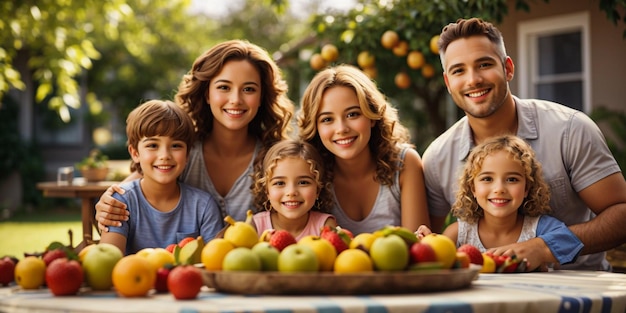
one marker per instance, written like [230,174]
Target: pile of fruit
[176,269]
[102,267]
[391,248]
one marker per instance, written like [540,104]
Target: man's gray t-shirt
[569,145]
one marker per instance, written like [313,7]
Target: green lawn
[32,232]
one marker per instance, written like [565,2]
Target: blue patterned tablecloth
[557,291]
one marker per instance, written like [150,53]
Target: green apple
[98,265]
[268,255]
[241,259]
[297,258]
[389,253]
[325,251]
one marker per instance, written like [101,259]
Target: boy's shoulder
[131,189]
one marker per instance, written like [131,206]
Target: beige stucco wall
[608,48]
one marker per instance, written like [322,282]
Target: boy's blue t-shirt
[196,214]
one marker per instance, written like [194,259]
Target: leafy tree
[418,23]
[57,45]
[149,56]
[36,41]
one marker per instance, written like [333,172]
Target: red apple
[421,252]
[171,247]
[185,282]
[64,277]
[52,255]
[161,279]
[476,257]
[7,271]
[185,241]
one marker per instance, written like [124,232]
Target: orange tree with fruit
[394,42]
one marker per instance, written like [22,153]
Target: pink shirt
[313,226]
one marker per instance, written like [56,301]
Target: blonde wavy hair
[272,122]
[388,134]
[466,207]
[295,149]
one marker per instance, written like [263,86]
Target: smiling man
[588,189]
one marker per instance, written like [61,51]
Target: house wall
[608,48]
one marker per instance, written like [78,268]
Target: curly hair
[292,148]
[272,122]
[158,118]
[466,207]
[388,134]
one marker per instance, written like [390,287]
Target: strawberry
[337,237]
[474,254]
[280,239]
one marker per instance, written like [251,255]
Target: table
[557,291]
[88,192]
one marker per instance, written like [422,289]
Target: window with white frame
[553,62]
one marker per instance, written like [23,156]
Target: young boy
[162,209]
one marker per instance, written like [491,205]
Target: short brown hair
[464,28]
[158,118]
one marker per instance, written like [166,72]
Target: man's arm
[607,199]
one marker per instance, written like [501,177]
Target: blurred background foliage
[111,55]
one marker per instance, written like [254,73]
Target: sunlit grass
[30,237]
[33,232]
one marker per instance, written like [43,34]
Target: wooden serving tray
[328,283]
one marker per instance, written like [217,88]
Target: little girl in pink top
[290,191]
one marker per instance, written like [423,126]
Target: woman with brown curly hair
[238,101]
[376,174]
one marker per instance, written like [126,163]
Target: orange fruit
[133,276]
[401,49]
[428,71]
[489,265]
[353,261]
[371,72]
[214,252]
[30,272]
[434,48]
[365,59]
[415,59]
[389,39]
[402,80]
[317,62]
[329,53]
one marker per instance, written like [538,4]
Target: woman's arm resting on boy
[109,211]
